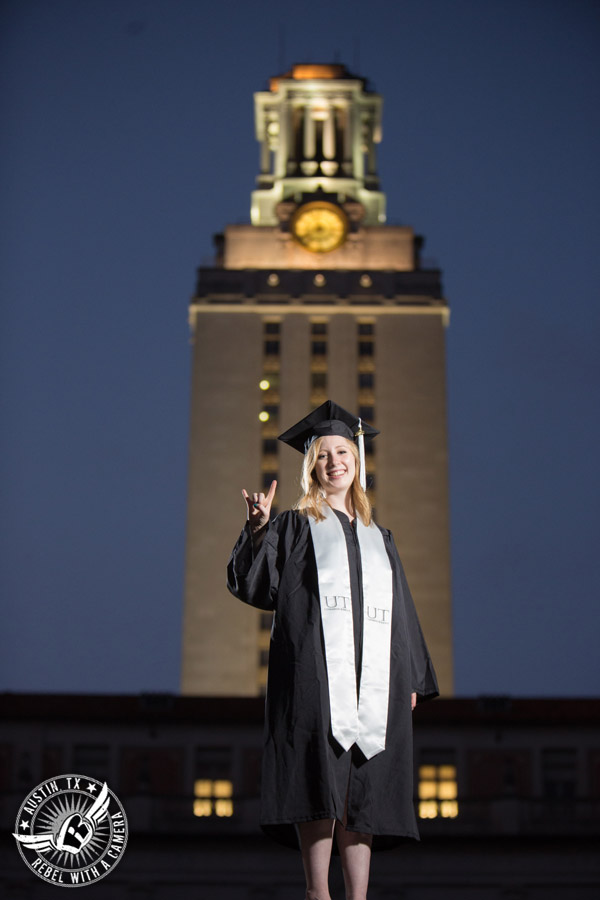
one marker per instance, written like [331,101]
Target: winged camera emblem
[75,832]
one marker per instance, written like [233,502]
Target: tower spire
[318,126]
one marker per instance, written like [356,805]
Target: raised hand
[258,507]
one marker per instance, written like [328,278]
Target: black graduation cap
[329,418]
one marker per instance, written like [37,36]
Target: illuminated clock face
[319,226]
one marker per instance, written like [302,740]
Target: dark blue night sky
[128,141]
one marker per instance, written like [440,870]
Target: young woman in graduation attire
[347,660]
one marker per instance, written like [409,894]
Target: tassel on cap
[362,474]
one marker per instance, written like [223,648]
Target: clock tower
[317,127]
[316,298]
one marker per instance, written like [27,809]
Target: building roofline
[508,711]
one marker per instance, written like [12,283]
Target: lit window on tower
[438,792]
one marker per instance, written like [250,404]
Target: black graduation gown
[306,775]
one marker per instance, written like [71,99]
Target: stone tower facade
[316,298]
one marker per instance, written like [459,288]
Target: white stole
[365,722]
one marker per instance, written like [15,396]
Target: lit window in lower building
[213,797]
[438,792]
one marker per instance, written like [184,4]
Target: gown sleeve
[254,571]
[423,677]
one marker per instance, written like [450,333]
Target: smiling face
[335,466]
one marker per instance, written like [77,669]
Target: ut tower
[316,298]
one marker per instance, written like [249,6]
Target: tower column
[370,146]
[265,156]
[284,144]
[309,133]
[358,159]
[348,138]
[329,134]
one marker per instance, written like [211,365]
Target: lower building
[507,793]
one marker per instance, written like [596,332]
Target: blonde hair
[312,498]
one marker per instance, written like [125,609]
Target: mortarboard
[329,418]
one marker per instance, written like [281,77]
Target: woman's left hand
[413,700]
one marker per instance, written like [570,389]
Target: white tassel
[361,456]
